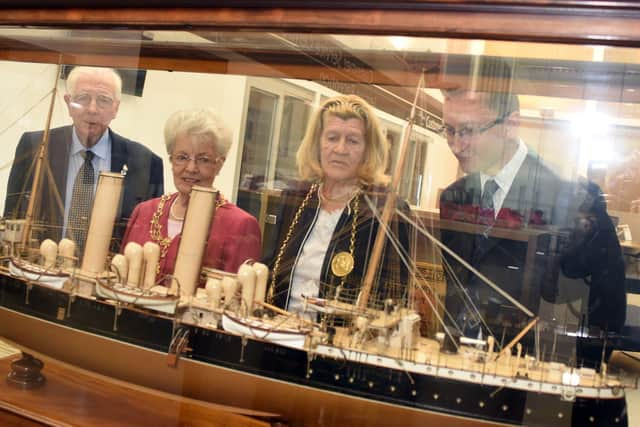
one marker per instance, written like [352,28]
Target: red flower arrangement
[474,214]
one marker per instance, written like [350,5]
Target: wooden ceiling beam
[604,25]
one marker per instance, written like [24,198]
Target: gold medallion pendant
[342,264]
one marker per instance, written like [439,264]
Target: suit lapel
[118,152]
[59,147]
[520,196]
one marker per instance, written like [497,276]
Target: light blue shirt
[101,162]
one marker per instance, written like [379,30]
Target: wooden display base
[73,396]
[300,405]
[10,419]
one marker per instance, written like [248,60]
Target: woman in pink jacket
[197,142]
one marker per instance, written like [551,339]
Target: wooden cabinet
[576,72]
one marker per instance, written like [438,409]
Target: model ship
[376,354]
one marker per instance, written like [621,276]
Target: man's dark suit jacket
[577,249]
[144,178]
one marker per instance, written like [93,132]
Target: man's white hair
[108,74]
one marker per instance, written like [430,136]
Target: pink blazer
[234,236]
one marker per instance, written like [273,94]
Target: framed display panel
[559,246]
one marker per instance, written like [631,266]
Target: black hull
[392,386]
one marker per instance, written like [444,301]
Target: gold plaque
[342,264]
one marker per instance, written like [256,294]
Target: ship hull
[255,374]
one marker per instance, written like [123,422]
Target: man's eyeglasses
[203,162]
[468,131]
[84,99]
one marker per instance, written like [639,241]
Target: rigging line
[440,319]
[434,250]
[10,162]
[403,257]
[470,309]
[21,92]
[469,266]
[468,301]
[395,241]
[537,341]
[413,241]
[470,306]
[2,131]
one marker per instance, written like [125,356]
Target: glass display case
[343,214]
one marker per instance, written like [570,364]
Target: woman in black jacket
[328,223]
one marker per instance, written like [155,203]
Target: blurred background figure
[623,184]
[508,186]
[578,266]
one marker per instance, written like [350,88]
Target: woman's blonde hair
[345,107]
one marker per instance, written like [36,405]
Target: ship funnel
[195,234]
[103,218]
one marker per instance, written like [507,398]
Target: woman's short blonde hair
[201,123]
[345,107]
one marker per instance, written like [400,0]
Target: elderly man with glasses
[76,155]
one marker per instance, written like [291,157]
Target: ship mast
[42,151]
[389,206]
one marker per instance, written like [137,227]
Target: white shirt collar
[508,173]
[100,149]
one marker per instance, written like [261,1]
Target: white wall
[24,107]
[142,118]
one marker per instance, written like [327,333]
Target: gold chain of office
[296,218]
[156,227]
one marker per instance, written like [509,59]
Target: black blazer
[392,279]
[577,249]
[144,179]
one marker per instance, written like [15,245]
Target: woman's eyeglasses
[203,162]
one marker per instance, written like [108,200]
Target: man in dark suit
[529,231]
[548,243]
[93,98]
